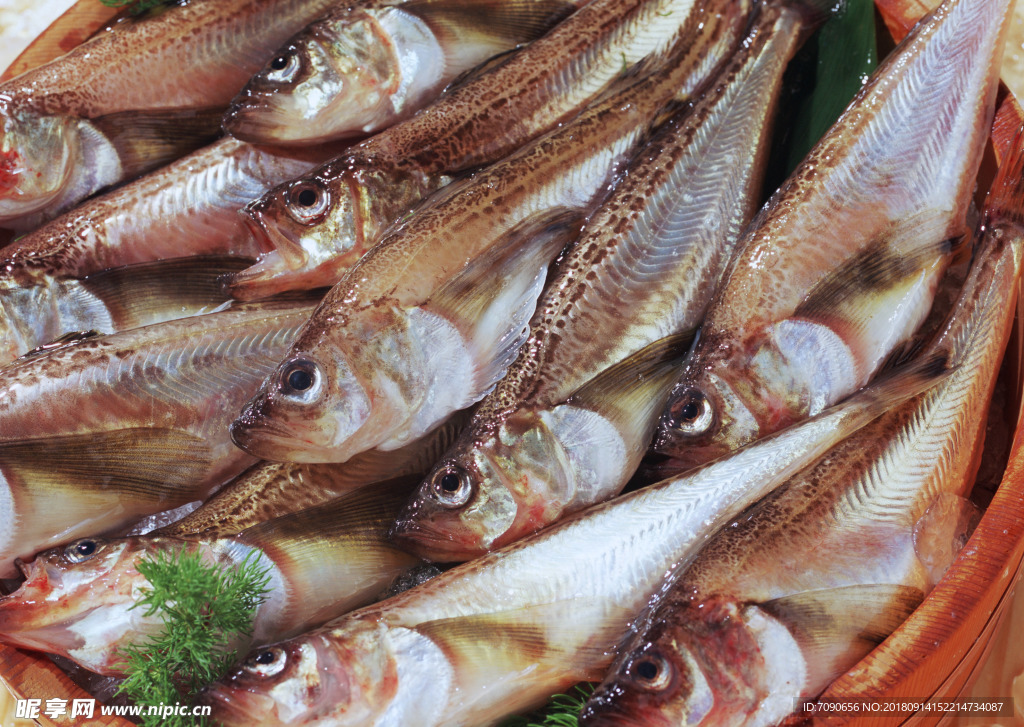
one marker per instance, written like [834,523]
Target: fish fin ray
[148,139]
[517,21]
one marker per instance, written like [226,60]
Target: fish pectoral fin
[492,299]
[513,22]
[888,261]
[836,627]
[145,140]
[162,466]
[572,638]
[636,388]
[134,294]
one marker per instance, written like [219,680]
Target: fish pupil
[646,669]
[689,411]
[300,380]
[86,548]
[307,197]
[265,658]
[279,63]
[450,482]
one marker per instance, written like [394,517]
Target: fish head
[305,411]
[490,491]
[303,226]
[36,161]
[705,418]
[306,678]
[76,601]
[332,81]
[679,671]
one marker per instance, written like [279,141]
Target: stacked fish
[532,276]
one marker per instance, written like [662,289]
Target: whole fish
[130,99]
[107,429]
[375,366]
[841,266]
[318,225]
[813,577]
[77,601]
[557,434]
[190,206]
[500,633]
[365,67]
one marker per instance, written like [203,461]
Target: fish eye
[651,671]
[267,662]
[307,202]
[283,67]
[691,413]
[301,379]
[452,486]
[81,550]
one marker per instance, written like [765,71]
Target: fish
[809,580]
[103,430]
[191,206]
[365,67]
[500,633]
[568,424]
[138,96]
[78,601]
[375,365]
[841,265]
[318,225]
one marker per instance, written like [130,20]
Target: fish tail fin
[1005,203]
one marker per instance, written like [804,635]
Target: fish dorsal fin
[636,387]
[495,295]
[148,139]
[836,627]
[515,21]
[900,252]
[71,29]
[136,295]
[158,466]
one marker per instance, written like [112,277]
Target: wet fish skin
[349,201]
[69,127]
[561,431]
[140,416]
[884,173]
[560,599]
[347,356]
[187,207]
[77,601]
[363,68]
[855,541]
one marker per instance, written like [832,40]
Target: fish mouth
[262,437]
[418,538]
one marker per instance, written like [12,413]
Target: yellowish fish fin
[889,260]
[836,627]
[489,648]
[158,466]
[492,299]
[137,295]
[513,22]
[635,389]
[148,139]
[900,383]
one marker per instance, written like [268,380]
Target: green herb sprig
[562,711]
[138,7]
[205,607]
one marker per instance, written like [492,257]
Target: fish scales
[591,570]
[884,507]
